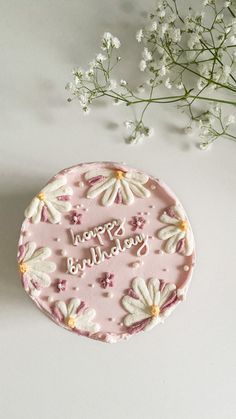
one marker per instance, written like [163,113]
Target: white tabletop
[183,369]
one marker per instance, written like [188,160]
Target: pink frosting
[124,266]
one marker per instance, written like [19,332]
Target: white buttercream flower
[33,267]
[50,202]
[75,316]
[177,234]
[118,186]
[148,304]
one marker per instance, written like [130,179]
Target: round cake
[106,251]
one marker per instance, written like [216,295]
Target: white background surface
[185,369]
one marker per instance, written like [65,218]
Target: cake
[106,251]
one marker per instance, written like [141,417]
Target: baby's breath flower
[194,52]
[112,84]
[230,120]
[108,41]
[188,130]
[101,57]
[115,42]
[163,70]
[147,55]
[232,40]
[179,86]
[142,65]
[168,83]
[154,26]
[204,145]
[193,40]
[139,35]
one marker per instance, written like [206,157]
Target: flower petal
[110,194]
[64,190]
[153,288]
[36,217]
[139,190]
[43,266]
[137,316]
[132,304]
[126,193]
[165,218]
[29,250]
[41,278]
[153,322]
[179,211]
[138,177]
[189,243]
[167,232]
[170,246]
[167,293]
[54,185]
[84,321]
[61,206]
[140,288]
[73,306]
[98,172]
[54,216]
[32,208]
[62,307]
[99,187]
[40,254]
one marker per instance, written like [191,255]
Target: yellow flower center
[183,225]
[154,310]
[23,268]
[119,174]
[41,196]
[70,321]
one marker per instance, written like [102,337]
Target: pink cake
[106,251]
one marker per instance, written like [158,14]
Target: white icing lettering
[97,255]
[97,232]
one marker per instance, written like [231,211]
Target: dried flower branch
[194,55]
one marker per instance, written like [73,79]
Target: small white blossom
[193,40]
[108,41]
[232,40]
[163,28]
[112,84]
[100,58]
[123,83]
[128,124]
[204,146]
[142,65]
[230,120]
[219,18]
[154,26]
[179,86]
[115,42]
[147,55]
[168,83]
[163,70]
[188,131]
[139,35]
[161,13]
[176,35]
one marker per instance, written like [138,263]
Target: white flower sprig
[191,54]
